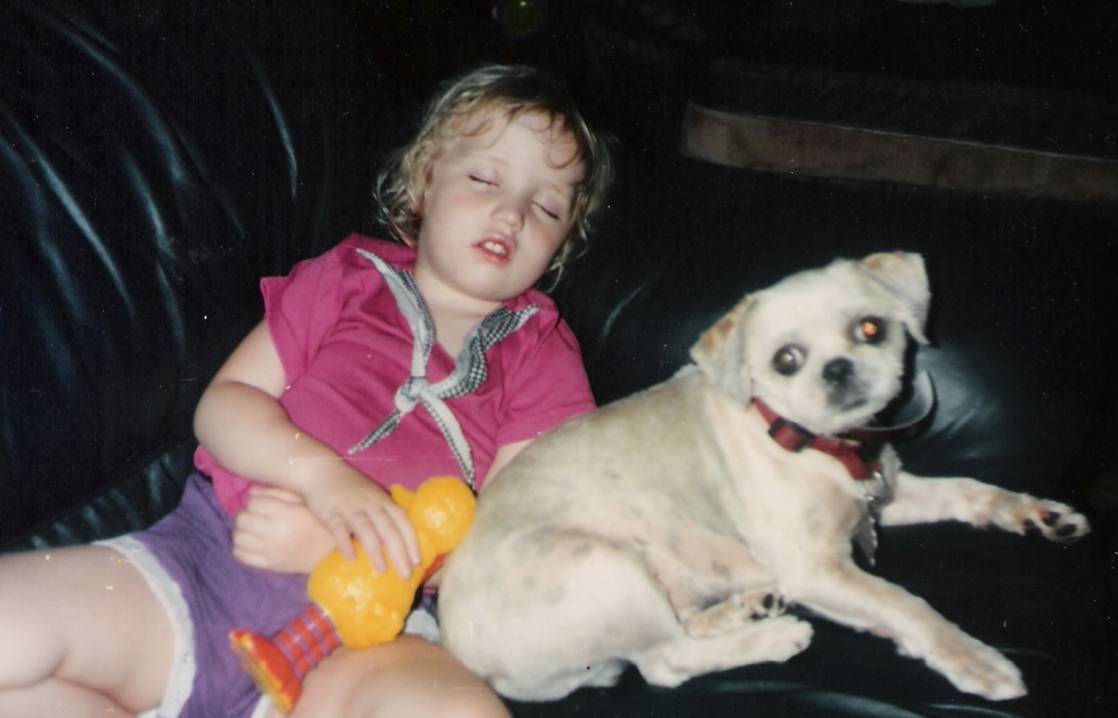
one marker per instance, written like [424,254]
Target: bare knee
[408,677]
[69,616]
[32,648]
[364,704]
[472,703]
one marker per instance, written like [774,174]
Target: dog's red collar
[859,458]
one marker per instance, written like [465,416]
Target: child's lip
[498,249]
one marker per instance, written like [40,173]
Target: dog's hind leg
[567,609]
[733,613]
[844,593]
[770,640]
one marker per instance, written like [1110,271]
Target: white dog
[668,529]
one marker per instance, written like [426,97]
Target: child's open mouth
[495,249]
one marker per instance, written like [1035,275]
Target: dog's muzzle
[844,391]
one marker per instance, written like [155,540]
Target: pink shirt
[346,348]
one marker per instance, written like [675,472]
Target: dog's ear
[903,274]
[720,354]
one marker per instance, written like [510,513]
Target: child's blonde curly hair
[511,91]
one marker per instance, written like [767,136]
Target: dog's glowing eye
[870,330]
[788,360]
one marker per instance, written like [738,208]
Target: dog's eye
[788,360]
[869,330]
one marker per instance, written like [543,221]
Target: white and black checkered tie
[470,369]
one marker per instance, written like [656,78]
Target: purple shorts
[187,559]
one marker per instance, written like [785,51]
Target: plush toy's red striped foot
[278,664]
[269,668]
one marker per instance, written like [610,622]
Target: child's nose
[510,211]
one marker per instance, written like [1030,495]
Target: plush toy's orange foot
[279,663]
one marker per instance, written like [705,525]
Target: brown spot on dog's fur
[713,339]
[542,543]
[877,261]
[676,546]
[583,548]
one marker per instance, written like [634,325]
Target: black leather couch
[157,158]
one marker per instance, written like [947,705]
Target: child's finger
[388,541]
[375,539]
[247,522]
[249,559]
[246,547]
[339,531]
[407,532]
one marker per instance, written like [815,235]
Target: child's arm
[240,421]
[276,531]
[502,458]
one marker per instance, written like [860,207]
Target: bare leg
[82,633]
[67,698]
[406,678]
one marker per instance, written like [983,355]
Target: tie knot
[410,393]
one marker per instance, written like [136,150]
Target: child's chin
[489,291]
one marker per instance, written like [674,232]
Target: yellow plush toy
[353,604]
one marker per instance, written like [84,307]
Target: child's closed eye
[482,179]
[548,210]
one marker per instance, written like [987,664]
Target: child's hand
[352,507]
[276,531]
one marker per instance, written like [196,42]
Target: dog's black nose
[838,371]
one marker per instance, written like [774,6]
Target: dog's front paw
[1039,517]
[1056,522]
[974,667]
